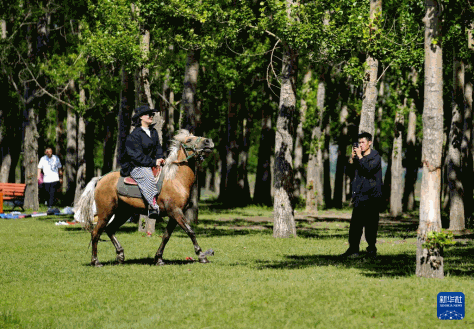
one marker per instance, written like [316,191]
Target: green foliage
[111,33]
[439,240]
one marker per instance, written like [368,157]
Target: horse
[179,176]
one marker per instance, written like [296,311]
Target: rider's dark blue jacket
[141,150]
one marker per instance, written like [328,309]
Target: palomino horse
[178,180]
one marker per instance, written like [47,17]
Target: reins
[194,153]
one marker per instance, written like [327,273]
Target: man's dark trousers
[51,188]
[365,214]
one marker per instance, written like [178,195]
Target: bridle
[193,151]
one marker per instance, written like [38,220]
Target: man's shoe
[349,254]
[371,255]
[153,213]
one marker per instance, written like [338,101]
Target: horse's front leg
[202,256]
[166,236]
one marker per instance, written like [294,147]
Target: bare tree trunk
[232,154]
[376,139]
[127,104]
[411,163]
[369,101]
[456,214]
[467,146]
[327,164]
[299,151]
[342,159]
[429,264]
[30,161]
[314,187]
[319,170]
[396,189]
[3,26]
[190,122]
[81,154]
[283,213]
[242,179]
[263,182]
[71,156]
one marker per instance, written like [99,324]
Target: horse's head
[192,146]
[195,146]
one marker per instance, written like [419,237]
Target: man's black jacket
[141,150]
[367,182]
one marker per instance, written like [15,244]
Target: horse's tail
[85,208]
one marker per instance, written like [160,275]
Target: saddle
[130,181]
[127,186]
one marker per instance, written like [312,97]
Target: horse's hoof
[96,264]
[160,262]
[203,260]
[120,259]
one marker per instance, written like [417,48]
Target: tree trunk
[89,153]
[468,147]
[232,154]
[410,161]
[327,164]
[318,138]
[299,151]
[81,154]
[30,161]
[71,153]
[127,105]
[396,189]
[243,190]
[263,181]
[431,266]
[190,122]
[369,101]
[284,221]
[342,159]
[456,190]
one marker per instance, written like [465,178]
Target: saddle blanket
[132,190]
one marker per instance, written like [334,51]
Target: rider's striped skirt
[146,183]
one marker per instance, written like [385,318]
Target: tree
[430,263]
[283,212]
[369,100]
[396,168]
[456,190]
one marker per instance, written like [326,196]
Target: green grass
[253,281]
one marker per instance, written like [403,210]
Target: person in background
[366,196]
[51,167]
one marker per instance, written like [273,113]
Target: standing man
[52,174]
[366,196]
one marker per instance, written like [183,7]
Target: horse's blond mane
[170,168]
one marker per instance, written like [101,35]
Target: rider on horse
[142,152]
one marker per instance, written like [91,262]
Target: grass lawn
[253,281]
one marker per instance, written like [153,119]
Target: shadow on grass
[146,261]
[392,265]
[458,261]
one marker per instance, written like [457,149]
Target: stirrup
[153,213]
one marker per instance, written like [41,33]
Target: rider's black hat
[142,110]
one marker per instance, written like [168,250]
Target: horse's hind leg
[118,221]
[166,236]
[95,235]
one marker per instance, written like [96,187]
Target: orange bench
[12,192]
